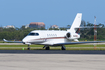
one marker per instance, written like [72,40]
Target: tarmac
[52,60]
[11,61]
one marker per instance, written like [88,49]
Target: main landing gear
[48,48]
[63,47]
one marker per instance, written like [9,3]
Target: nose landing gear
[28,47]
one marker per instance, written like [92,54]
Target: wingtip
[4,40]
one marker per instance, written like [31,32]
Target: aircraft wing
[12,41]
[79,42]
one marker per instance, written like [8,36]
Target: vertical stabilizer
[76,23]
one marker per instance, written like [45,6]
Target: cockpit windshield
[33,34]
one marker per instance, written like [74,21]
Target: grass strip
[51,48]
[55,46]
[40,47]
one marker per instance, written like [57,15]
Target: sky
[51,12]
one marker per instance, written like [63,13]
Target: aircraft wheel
[47,48]
[28,48]
[63,47]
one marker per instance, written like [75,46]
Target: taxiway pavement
[52,61]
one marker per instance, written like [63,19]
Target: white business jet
[55,37]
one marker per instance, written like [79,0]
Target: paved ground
[52,62]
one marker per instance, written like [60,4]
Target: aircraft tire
[48,48]
[63,47]
[28,48]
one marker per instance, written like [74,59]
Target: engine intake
[72,36]
[68,35]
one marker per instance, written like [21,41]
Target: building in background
[9,26]
[37,25]
[26,26]
[54,26]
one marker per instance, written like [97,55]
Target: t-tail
[76,23]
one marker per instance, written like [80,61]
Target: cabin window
[33,34]
[36,34]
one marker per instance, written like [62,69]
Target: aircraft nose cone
[24,40]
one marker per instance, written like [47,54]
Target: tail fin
[76,22]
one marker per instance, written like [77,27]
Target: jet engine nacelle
[68,35]
[72,36]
